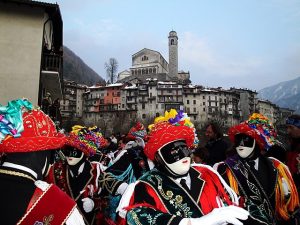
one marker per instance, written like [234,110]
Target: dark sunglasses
[72,152]
[243,140]
[175,151]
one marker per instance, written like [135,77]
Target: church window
[144,58]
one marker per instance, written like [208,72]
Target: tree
[111,69]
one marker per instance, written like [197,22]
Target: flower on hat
[171,127]
[258,127]
[26,129]
[87,140]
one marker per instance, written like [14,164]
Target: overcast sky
[228,43]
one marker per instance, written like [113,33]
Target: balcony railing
[52,62]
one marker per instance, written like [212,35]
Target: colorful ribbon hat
[257,127]
[169,128]
[27,131]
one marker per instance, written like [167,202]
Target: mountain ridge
[285,94]
[75,69]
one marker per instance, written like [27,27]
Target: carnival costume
[26,135]
[80,178]
[161,196]
[131,162]
[264,184]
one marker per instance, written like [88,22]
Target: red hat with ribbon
[172,127]
[257,127]
[31,131]
[137,131]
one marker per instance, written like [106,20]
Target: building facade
[31,50]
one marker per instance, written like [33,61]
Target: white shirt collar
[187,180]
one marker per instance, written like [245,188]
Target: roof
[147,50]
[32,3]
[144,77]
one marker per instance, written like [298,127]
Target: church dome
[172,34]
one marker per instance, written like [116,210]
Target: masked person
[293,155]
[131,162]
[176,192]
[28,140]
[78,177]
[265,184]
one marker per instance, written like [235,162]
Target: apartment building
[71,106]
[268,109]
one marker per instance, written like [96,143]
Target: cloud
[200,54]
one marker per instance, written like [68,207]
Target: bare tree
[111,69]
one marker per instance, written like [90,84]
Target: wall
[20,43]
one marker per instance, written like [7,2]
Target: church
[148,63]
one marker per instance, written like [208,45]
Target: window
[194,101]
[195,117]
[203,103]
[203,97]
[203,109]
[123,106]
[172,41]
[143,106]
[187,101]
[144,116]
[195,109]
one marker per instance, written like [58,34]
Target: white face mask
[72,161]
[180,167]
[244,151]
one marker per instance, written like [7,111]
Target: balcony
[152,98]
[51,62]
[51,74]
[143,100]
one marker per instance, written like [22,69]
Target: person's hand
[121,189]
[219,216]
[88,204]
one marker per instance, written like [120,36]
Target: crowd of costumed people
[151,175]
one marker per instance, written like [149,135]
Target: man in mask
[80,178]
[175,192]
[28,140]
[264,184]
[293,155]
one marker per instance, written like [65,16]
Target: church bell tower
[173,55]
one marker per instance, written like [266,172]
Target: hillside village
[151,86]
